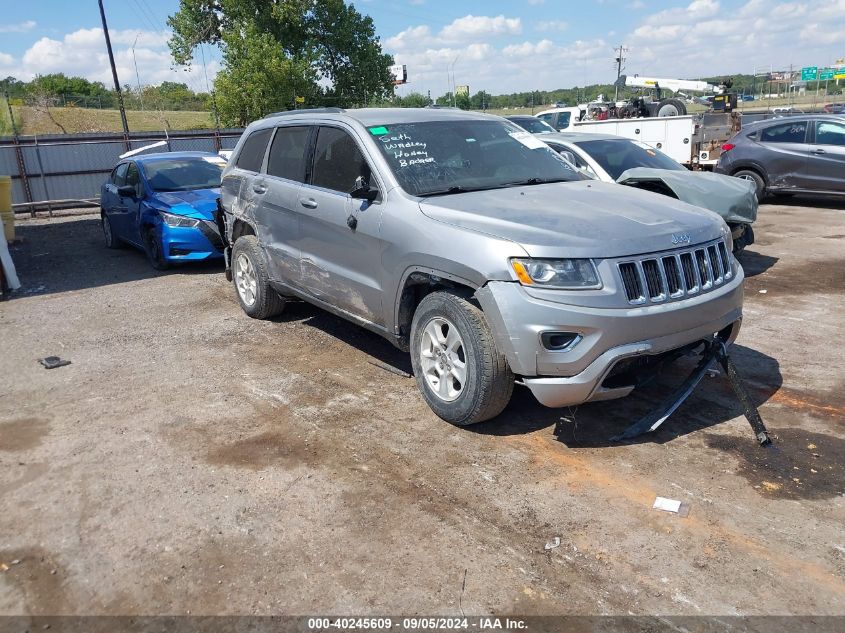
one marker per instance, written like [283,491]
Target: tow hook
[714,350]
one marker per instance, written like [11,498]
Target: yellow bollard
[7,216]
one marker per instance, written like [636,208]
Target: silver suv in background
[800,153]
[470,243]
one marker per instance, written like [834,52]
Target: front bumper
[563,378]
[191,243]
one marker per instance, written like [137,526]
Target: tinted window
[184,174]
[337,161]
[118,176]
[133,178]
[532,124]
[785,133]
[252,153]
[451,157]
[287,153]
[546,117]
[619,155]
[828,133]
[563,119]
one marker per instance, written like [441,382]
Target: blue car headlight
[178,220]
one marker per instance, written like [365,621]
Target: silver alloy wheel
[748,177]
[245,279]
[443,359]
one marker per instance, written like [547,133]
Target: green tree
[307,40]
[412,100]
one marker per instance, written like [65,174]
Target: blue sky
[492,45]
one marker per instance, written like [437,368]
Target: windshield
[184,174]
[533,125]
[619,155]
[449,157]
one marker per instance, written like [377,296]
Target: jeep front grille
[677,274]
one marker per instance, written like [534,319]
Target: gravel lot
[191,460]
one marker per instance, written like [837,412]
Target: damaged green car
[627,162]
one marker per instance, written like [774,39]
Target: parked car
[835,108]
[799,154]
[561,118]
[470,243]
[617,159]
[531,124]
[164,204]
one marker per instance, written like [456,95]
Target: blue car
[164,204]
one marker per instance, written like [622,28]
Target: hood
[578,219]
[732,198]
[197,203]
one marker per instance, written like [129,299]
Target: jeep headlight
[178,220]
[556,273]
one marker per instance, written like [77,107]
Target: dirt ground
[192,460]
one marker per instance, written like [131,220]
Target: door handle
[259,189]
[818,151]
[308,203]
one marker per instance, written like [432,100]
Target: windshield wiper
[446,192]
[535,181]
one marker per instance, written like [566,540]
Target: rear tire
[108,233]
[252,284]
[671,107]
[461,373]
[757,179]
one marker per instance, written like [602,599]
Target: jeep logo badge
[683,238]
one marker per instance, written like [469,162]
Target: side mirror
[127,191]
[362,190]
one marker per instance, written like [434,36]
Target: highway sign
[809,73]
[826,74]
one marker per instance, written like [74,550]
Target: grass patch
[75,120]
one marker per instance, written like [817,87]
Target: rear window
[793,132]
[287,153]
[252,153]
[616,156]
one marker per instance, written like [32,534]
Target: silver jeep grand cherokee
[467,241]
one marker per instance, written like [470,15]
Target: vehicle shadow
[818,201]
[377,347]
[589,425]
[592,425]
[756,263]
[70,254]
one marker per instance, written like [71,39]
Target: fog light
[559,341]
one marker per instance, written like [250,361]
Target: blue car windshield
[453,157]
[183,174]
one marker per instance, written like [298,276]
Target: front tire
[252,284]
[155,249]
[461,373]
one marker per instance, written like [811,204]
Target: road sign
[809,73]
[826,74]
[300,99]
[839,75]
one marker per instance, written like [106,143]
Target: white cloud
[473,27]
[551,25]
[21,27]
[83,53]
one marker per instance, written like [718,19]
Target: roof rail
[305,111]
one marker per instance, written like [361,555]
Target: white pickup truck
[694,140]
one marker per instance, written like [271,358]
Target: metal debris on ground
[671,505]
[390,368]
[553,543]
[51,362]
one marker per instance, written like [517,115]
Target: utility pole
[137,75]
[114,76]
[620,66]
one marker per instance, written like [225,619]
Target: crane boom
[667,84]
